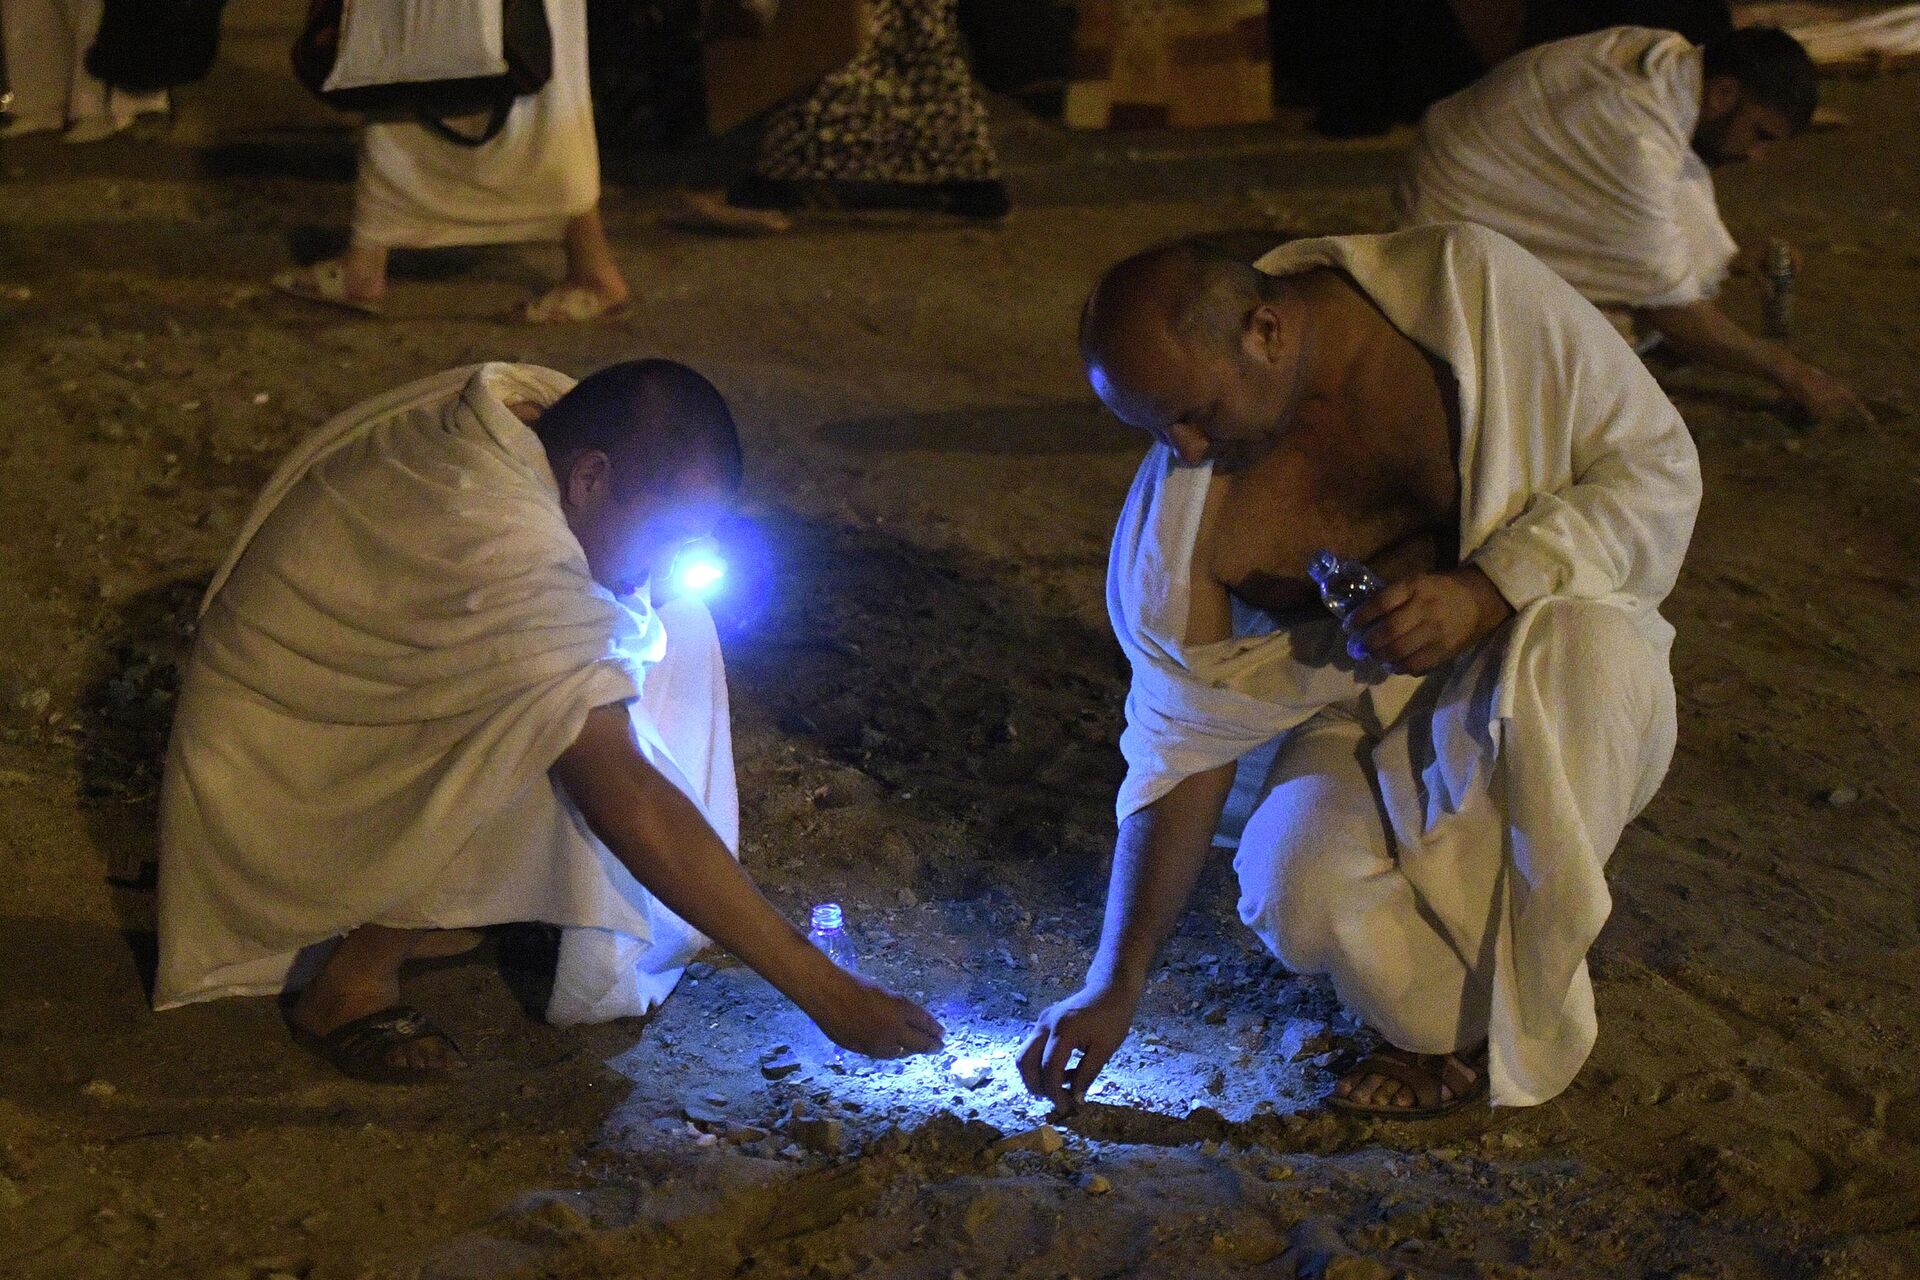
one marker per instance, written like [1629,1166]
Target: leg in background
[590,259]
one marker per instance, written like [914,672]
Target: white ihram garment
[1505,779]
[403,640]
[47,43]
[414,189]
[1890,34]
[1581,152]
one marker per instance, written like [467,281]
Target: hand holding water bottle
[1414,625]
[857,1014]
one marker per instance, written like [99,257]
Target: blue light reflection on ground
[1151,1072]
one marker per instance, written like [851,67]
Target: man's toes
[429,1053]
[1370,1090]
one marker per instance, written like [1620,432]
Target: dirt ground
[926,704]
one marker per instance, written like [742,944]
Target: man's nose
[1189,444]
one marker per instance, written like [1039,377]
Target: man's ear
[589,478]
[1263,336]
[1719,97]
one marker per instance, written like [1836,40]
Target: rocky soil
[926,703]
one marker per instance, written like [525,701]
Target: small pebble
[779,1062]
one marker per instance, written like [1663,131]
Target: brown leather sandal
[363,1048]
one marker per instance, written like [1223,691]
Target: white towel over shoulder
[1581,151]
[403,640]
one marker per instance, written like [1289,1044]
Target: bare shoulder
[1209,610]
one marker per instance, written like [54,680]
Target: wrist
[1490,608]
[1120,978]
[806,976]
[1786,370]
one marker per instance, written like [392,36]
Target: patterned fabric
[903,111]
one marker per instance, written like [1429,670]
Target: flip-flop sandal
[362,1048]
[1423,1073]
[572,304]
[324,282]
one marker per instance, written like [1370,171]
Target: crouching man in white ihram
[1434,826]
[431,692]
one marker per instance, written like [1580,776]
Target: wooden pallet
[1178,63]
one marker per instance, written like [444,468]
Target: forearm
[1156,862]
[1702,331]
[663,839]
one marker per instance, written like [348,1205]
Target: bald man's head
[1186,290]
[1192,344]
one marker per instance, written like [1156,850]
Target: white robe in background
[416,190]
[46,49]
[1832,39]
[1581,152]
[1579,483]
[402,641]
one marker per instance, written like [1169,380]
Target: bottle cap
[827,916]
[1322,565]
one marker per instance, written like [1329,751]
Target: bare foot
[1391,1080]
[709,211]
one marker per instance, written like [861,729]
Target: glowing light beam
[699,569]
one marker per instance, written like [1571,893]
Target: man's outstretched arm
[660,836]
[1155,864]
[1702,331]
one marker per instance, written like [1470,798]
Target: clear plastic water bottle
[829,933]
[1344,585]
[1779,288]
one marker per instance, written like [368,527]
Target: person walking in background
[46,49]
[537,180]
[901,126]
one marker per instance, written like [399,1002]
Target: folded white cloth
[1578,481]
[1581,151]
[414,189]
[402,641]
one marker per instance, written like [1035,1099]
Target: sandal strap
[383,1030]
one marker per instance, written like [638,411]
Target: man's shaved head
[1187,290]
[656,419]
[1198,348]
